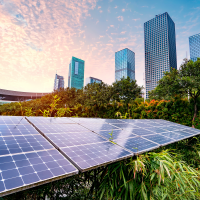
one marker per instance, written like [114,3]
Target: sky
[39,37]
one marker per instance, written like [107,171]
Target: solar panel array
[26,157]
[38,150]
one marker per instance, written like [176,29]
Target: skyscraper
[90,80]
[59,82]
[160,49]
[194,42]
[124,64]
[76,73]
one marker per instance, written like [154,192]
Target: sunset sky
[38,37]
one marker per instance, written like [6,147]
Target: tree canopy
[180,82]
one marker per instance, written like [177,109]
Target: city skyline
[40,37]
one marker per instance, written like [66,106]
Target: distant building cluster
[160,56]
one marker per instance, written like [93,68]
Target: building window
[76,68]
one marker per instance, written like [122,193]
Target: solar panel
[83,120]
[13,120]
[155,129]
[13,130]
[113,121]
[74,139]
[22,144]
[124,125]
[137,144]
[27,169]
[60,128]
[91,156]
[141,131]
[116,134]
[98,127]
[50,120]
[160,139]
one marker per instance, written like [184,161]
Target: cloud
[101,36]
[120,18]
[145,6]
[136,19]
[123,32]
[122,39]
[112,26]
[123,10]
[99,7]
[97,21]
[101,11]
[115,7]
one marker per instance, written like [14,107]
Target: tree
[96,94]
[180,82]
[126,90]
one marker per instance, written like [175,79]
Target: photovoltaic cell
[50,120]
[113,121]
[94,155]
[155,129]
[20,170]
[137,144]
[141,131]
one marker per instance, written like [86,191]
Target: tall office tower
[90,80]
[194,42]
[124,64]
[76,73]
[160,49]
[59,82]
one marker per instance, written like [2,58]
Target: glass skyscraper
[194,42]
[76,73]
[124,64]
[90,80]
[59,82]
[160,49]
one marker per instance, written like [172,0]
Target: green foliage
[126,90]
[180,83]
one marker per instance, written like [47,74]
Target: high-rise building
[76,73]
[59,82]
[90,80]
[124,64]
[160,49]
[194,42]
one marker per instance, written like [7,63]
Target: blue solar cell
[93,155]
[141,131]
[112,121]
[137,144]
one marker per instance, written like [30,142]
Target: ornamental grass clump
[151,176]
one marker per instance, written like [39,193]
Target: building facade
[124,64]
[160,49]
[59,82]
[194,42]
[76,73]
[90,80]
